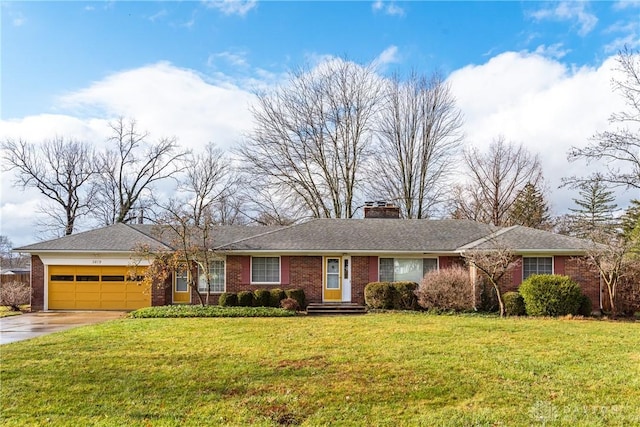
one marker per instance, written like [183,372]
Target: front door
[332,279]
[181,294]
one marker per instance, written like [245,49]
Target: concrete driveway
[30,325]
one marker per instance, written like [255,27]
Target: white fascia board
[90,258]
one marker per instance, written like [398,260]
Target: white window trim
[266,283]
[553,263]
[224,283]
[175,282]
[408,257]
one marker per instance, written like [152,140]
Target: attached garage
[95,288]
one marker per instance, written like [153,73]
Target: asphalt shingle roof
[410,235]
[327,235]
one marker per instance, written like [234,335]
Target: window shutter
[284,270]
[245,263]
[373,269]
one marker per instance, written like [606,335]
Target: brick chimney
[381,209]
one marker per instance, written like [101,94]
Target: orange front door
[332,279]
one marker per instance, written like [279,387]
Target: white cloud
[388,56]
[165,100]
[541,103]
[553,51]
[236,59]
[387,7]
[575,11]
[232,7]
[626,4]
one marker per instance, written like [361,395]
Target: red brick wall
[587,278]
[360,275]
[161,292]
[304,272]
[37,283]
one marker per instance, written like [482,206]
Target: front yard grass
[386,369]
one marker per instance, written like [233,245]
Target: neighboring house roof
[327,235]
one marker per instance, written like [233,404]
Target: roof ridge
[131,227]
[286,227]
[493,235]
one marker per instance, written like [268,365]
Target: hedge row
[547,295]
[262,298]
[208,311]
[391,295]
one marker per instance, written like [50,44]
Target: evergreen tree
[595,209]
[530,209]
[631,218]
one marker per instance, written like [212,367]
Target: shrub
[380,295]
[585,306]
[550,295]
[246,299]
[228,299]
[404,297]
[298,295]
[277,295]
[262,298]
[446,289]
[514,304]
[487,296]
[290,304]
[185,310]
[15,294]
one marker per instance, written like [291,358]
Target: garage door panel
[112,293]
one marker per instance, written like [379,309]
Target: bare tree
[615,257]
[130,167]
[208,182]
[62,170]
[419,133]
[312,135]
[494,264]
[496,178]
[618,148]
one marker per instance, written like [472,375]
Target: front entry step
[326,308]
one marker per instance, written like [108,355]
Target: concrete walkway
[30,325]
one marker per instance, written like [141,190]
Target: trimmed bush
[550,295]
[246,299]
[277,295]
[184,310]
[290,304]
[379,295]
[228,299]
[262,298]
[446,289]
[514,304]
[585,307]
[298,295]
[14,294]
[404,297]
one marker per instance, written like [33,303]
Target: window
[539,265]
[216,275]
[182,277]
[265,269]
[87,278]
[405,269]
[61,278]
[113,278]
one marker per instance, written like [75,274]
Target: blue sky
[535,72]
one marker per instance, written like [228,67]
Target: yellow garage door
[95,288]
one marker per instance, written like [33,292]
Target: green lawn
[378,369]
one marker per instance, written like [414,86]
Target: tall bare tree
[62,170]
[311,136]
[208,182]
[130,167]
[495,179]
[419,134]
[618,148]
